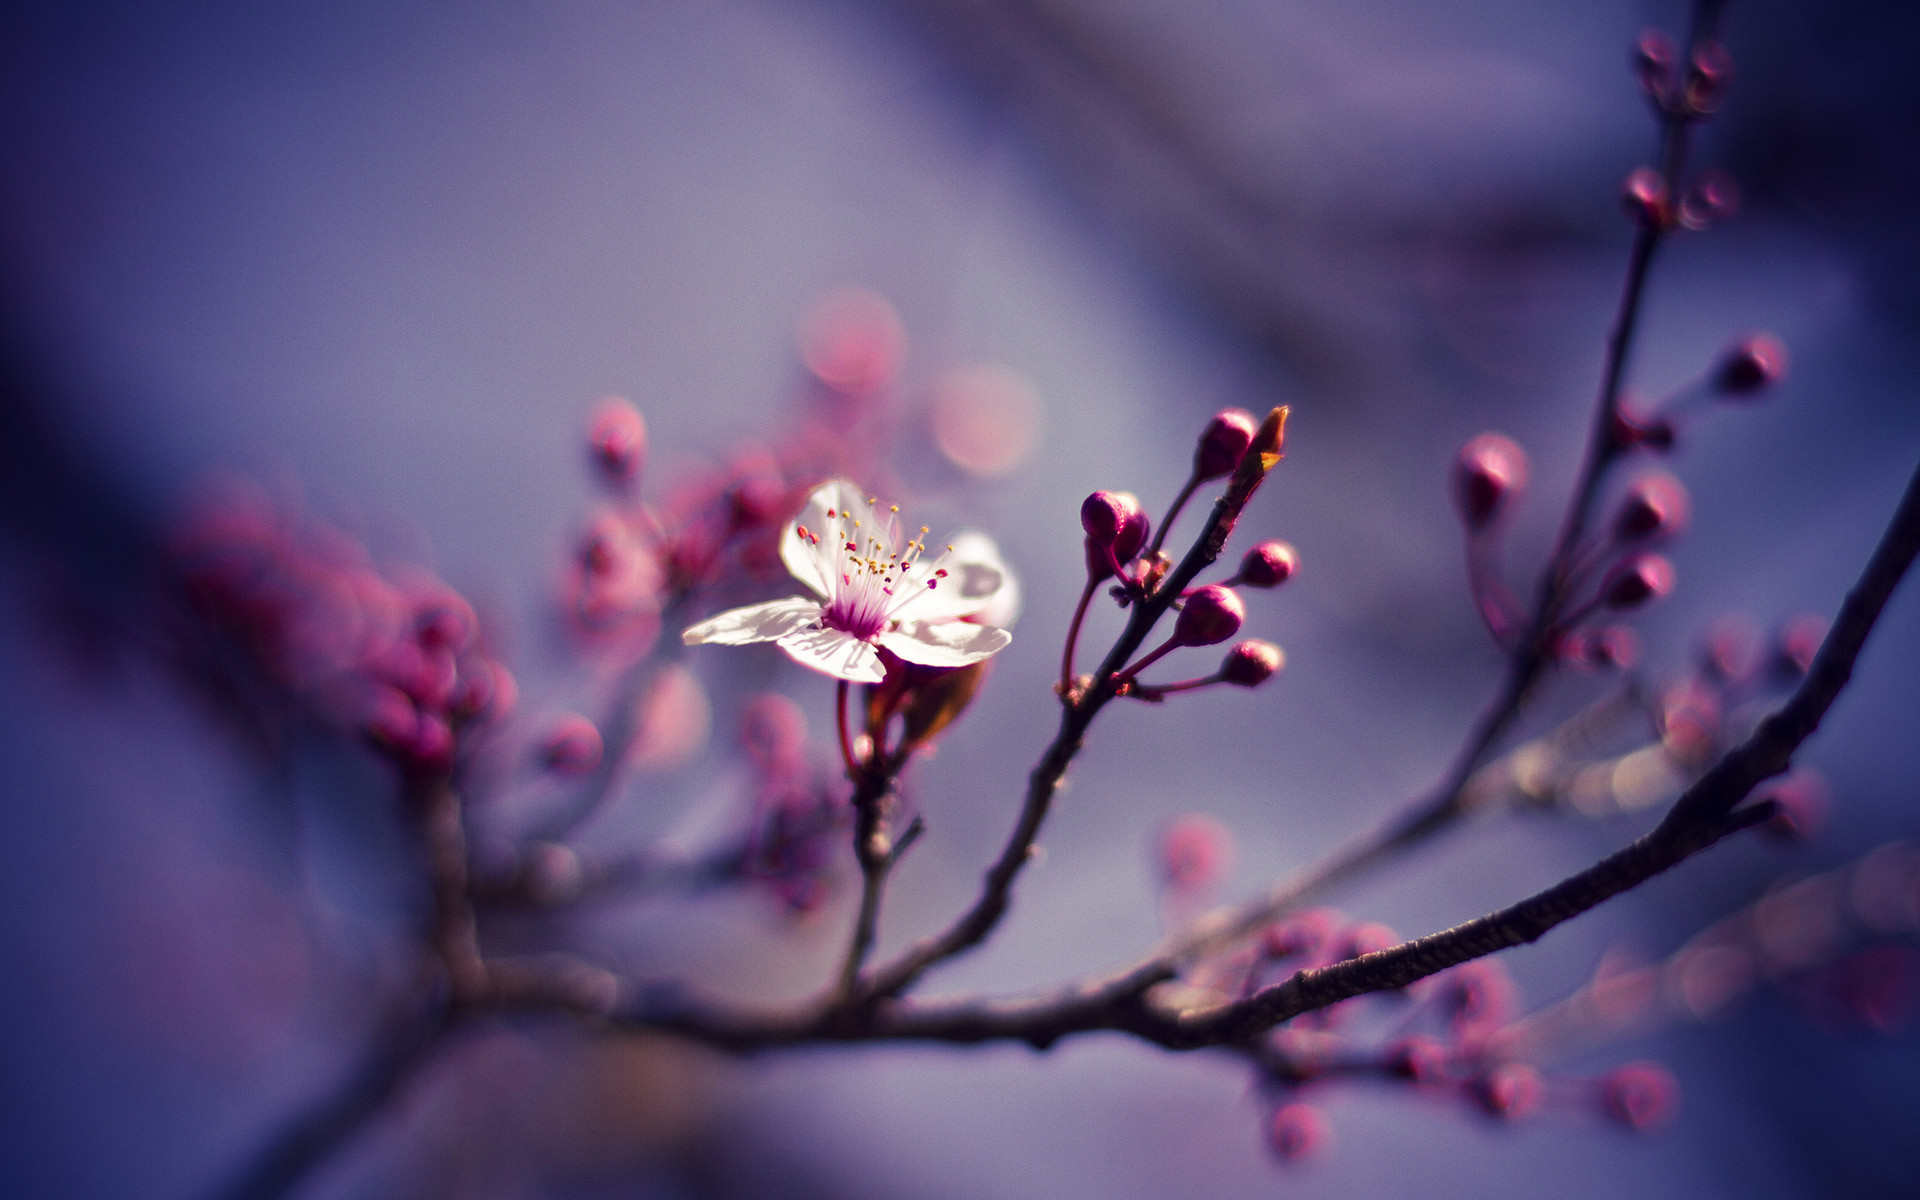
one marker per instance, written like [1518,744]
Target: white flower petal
[767,622]
[809,559]
[975,577]
[834,653]
[945,644]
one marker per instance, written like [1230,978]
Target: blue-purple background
[390,254]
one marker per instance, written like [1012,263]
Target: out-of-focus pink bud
[1713,198]
[1421,1059]
[1653,57]
[1655,506]
[1269,564]
[1490,470]
[774,732]
[617,438]
[1730,653]
[1753,363]
[1211,615]
[1252,662]
[1644,196]
[1510,1091]
[1366,938]
[1708,74]
[1478,997]
[1296,1131]
[1640,1096]
[1223,443]
[1800,639]
[1641,578]
[1196,851]
[1634,430]
[391,718]
[1610,646]
[1804,802]
[572,746]
[1302,934]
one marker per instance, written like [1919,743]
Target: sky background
[385,257]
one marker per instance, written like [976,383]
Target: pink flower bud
[774,732]
[1708,74]
[1644,195]
[1653,57]
[1252,663]
[1117,529]
[1223,443]
[1211,615]
[1609,646]
[1632,430]
[572,746]
[1803,801]
[1491,468]
[1641,578]
[1731,651]
[1420,1059]
[1296,1131]
[1366,938]
[1640,1095]
[1753,363]
[1510,1091]
[1713,198]
[1800,640]
[1655,506]
[1195,852]
[617,436]
[1301,934]
[1269,564]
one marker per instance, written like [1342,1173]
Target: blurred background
[385,258]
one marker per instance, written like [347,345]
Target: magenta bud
[1713,198]
[1510,1091]
[1632,430]
[1420,1059]
[1104,514]
[617,437]
[1369,937]
[1491,468]
[1269,564]
[1800,639]
[572,746]
[1641,578]
[1653,57]
[1296,1130]
[1223,443]
[1753,363]
[1802,802]
[1252,663]
[1195,852]
[1655,506]
[1117,529]
[1731,650]
[1210,616]
[1640,1095]
[1610,646]
[1644,196]
[1708,74]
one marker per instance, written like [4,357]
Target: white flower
[876,589]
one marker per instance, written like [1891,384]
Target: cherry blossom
[873,587]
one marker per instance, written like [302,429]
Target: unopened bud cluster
[1235,447]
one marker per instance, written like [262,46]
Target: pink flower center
[871,581]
